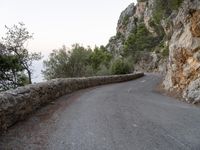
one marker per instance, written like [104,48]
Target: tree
[15,41]
[11,71]
[57,64]
[63,63]
[77,62]
[100,57]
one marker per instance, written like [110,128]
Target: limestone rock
[192,92]
[151,62]
[184,65]
[148,14]
[126,23]
[182,36]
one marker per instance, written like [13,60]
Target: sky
[63,22]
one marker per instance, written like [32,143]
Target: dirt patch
[175,93]
[195,26]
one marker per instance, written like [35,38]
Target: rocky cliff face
[181,27]
[129,20]
[124,27]
[183,73]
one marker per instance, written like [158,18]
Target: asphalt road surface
[124,116]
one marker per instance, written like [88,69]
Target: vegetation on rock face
[15,59]
[165,52]
[139,40]
[125,20]
[163,8]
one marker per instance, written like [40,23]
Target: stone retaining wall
[16,104]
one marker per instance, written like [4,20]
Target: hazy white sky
[58,22]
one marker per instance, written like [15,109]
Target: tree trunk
[29,77]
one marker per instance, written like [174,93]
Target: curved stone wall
[16,104]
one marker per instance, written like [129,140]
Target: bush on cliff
[139,40]
[163,8]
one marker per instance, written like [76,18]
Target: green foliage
[11,70]
[174,4]
[15,41]
[159,10]
[139,40]
[15,60]
[165,51]
[163,9]
[77,62]
[120,66]
[63,63]
[125,20]
[103,70]
[162,48]
[55,66]
[119,35]
[9,62]
[80,61]
[100,56]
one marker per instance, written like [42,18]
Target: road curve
[124,116]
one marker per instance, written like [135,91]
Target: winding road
[124,116]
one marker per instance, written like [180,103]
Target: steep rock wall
[129,20]
[181,26]
[184,60]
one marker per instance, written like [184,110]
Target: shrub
[162,48]
[100,56]
[77,62]
[165,52]
[174,4]
[120,66]
[103,70]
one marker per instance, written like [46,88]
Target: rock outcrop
[184,58]
[130,18]
[181,42]
[126,23]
